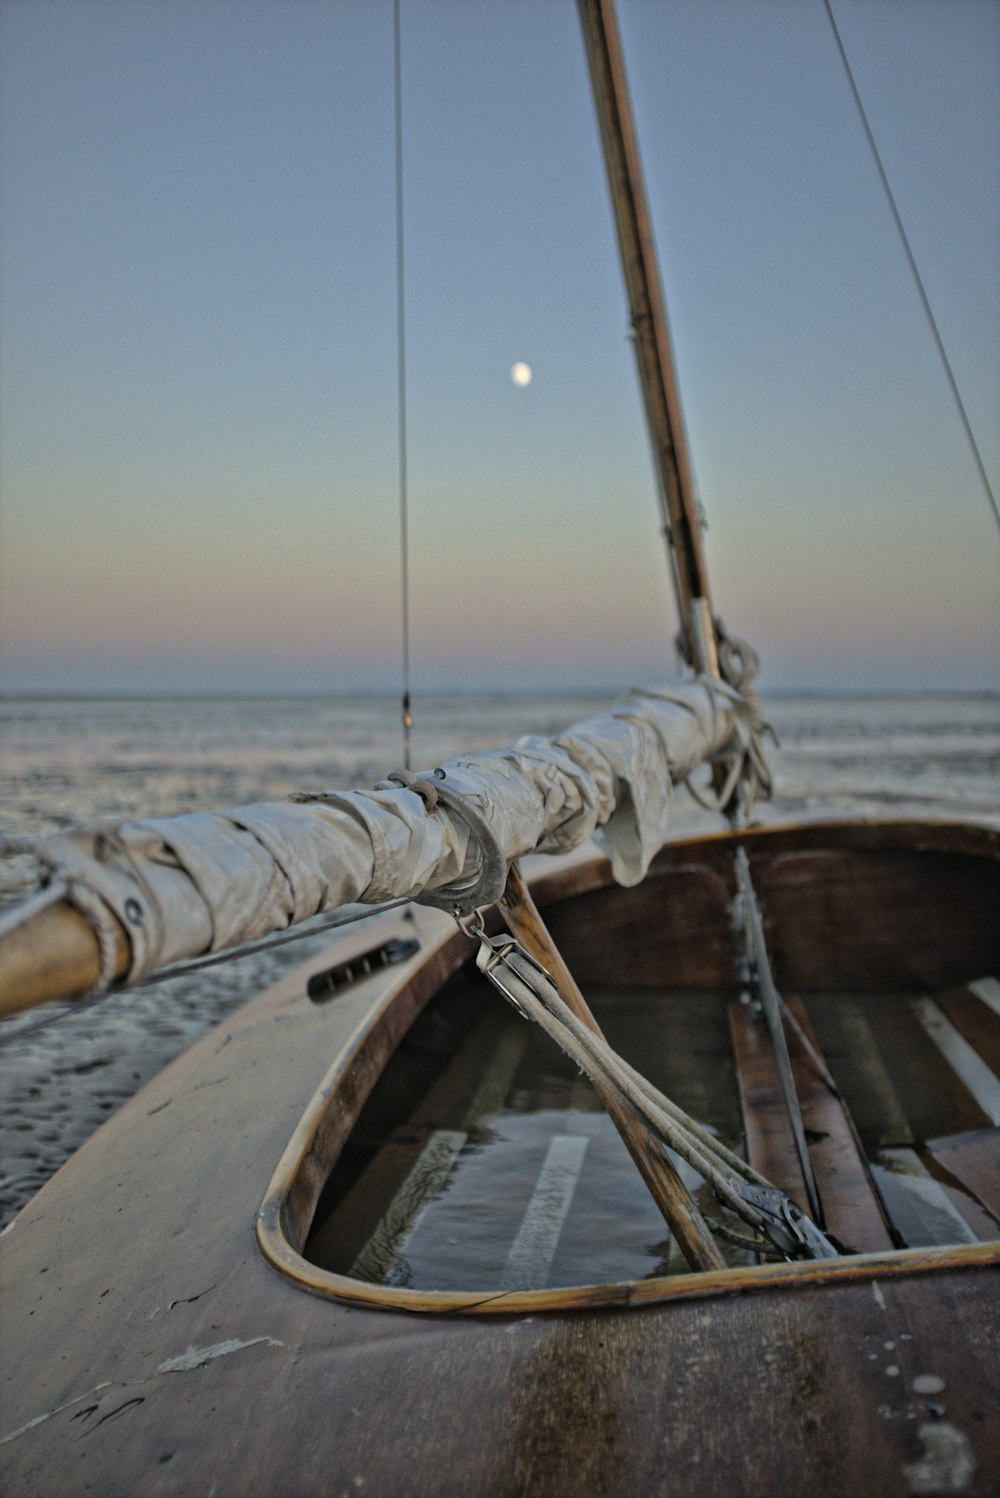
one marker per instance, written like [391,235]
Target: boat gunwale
[287,1208]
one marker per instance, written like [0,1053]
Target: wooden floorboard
[843,1026]
[925,1210]
[769,1140]
[964,1060]
[974,1160]
[850,1203]
[936,1100]
[975,1020]
[450,1104]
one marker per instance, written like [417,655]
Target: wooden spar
[52,955]
[189,910]
[654,1164]
[657,376]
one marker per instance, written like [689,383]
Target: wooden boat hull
[150,1346]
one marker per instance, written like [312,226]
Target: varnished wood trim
[326,1124]
[629,1293]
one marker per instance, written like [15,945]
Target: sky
[198,375]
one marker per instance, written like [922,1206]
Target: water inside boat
[482,1158]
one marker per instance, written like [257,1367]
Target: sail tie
[63,881]
[749,778]
[486,883]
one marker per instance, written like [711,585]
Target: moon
[521,373]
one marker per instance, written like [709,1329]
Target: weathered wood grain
[851,1204]
[974,1160]
[770,1141]
[150,1348]
[149,1269]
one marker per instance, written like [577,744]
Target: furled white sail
[184,885]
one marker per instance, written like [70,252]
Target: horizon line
[138,694]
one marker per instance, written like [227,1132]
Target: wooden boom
[52,955]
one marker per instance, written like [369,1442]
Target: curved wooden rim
[942,835]
[286,1211]
[627,1294]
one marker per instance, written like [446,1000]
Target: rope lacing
[750,778]
[485,883]
[55,885]
[62,878]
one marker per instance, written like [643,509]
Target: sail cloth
[185,885]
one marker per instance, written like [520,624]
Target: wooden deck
[150,1348]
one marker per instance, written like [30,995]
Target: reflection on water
[497,1167]
[484,1162]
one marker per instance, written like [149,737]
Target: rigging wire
[911,261]
[343,917]
[404,547]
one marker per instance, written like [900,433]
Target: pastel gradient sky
[199,455]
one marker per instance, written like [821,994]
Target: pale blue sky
[198,342]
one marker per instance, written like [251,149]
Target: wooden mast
[654,356]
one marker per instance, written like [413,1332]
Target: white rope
[750,777]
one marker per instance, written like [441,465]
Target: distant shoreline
[46,694]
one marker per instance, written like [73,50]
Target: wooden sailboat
[208,1296]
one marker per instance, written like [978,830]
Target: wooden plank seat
[851,1206]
